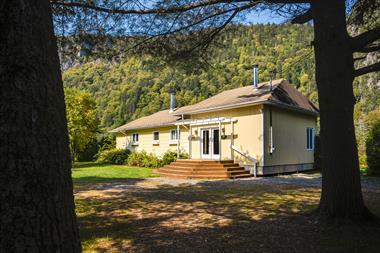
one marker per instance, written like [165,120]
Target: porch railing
[254,160]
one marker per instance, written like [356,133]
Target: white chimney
[172,102]
[255,76]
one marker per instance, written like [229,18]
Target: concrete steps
[203,169]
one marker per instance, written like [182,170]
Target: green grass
[91,172]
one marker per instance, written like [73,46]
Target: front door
[210,146]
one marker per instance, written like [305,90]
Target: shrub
[96,146]
[136,159]
[143,159]
[373,149]
[114,156]
[171,156]
[151,161]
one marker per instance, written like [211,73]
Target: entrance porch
[211,151]
[204,169]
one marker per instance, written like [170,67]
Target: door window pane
[216,141]
[206,142]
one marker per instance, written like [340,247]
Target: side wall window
[310,138]
[135,137]
[156,136]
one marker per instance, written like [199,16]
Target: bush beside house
[138,159]
[114,156]
[373,149]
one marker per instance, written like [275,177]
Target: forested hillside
[129,85]
[140,85]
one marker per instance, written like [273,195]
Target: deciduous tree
[82,122]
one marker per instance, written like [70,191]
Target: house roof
[282,94]
[161,118]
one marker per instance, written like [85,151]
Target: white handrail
[254,160]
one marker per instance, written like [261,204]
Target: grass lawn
[91,172]
[146,216]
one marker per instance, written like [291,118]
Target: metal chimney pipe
[172,102]
[271,75]
[255,76]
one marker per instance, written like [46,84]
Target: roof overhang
[205,121]
[116,130]
[220,108]
[292,108]
[245,104]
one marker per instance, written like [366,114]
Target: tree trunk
[341,189]
[37,205]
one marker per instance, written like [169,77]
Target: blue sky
[263,17]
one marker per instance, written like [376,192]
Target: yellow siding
[251,135]
[247,133]
[121,141]
[289,137]
[146,141]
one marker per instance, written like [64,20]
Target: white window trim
[155,142]
[312,138]
[134,143]
[173,141]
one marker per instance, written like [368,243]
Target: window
[156,137]
[174,135]
[310,138]
[135,138]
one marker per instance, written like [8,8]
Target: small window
[174,135]
[310,138]
[156,136]
[135,137]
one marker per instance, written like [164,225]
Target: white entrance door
[210,146]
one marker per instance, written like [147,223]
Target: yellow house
[267,128]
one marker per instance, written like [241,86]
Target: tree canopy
[82,122]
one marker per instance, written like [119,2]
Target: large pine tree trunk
[36,205]
[341,189]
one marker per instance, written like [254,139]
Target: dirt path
[248,215]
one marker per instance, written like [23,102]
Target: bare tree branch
[367,69]
[303,18]
[362,40]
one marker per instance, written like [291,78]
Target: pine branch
[303,18]
[367,69]
[169,9]
[369,49]
[361,41]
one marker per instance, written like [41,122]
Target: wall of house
[146,141]
[247,133]
[289,138]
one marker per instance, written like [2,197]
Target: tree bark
[36,205]
[341,188]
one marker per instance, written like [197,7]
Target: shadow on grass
[98,179]
[213,218]
[79,165]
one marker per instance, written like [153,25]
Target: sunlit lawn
[90,172]
[145,216]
